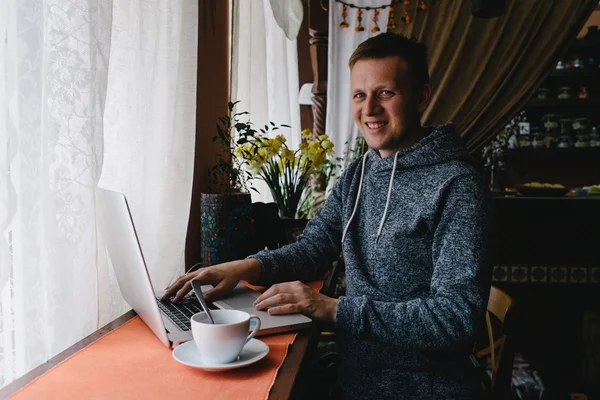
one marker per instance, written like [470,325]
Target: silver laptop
[169,322]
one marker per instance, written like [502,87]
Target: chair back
[499,349]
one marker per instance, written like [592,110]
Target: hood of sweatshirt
[441,144]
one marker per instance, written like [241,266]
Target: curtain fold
[484,70]
[264,74]
[88,86]
[52,88]
[149,124]
[288,15]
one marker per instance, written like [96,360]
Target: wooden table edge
[281,389]
[288,372]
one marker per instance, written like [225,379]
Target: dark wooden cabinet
[548,260]
[572,167]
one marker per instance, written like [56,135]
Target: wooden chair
[498,346]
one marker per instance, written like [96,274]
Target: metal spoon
[198,290]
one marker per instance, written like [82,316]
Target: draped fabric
[81,80]
[339,123]
[264,73]
[484,70]
[288,15]
[150,124]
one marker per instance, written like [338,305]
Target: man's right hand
[223,277]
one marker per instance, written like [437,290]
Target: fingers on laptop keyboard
[173,290]
[185,289]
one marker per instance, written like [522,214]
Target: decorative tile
[578,275]
[595,275]
[500,273]
[519,274]
[558,274]
[539,274]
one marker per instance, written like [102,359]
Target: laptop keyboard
[181,312]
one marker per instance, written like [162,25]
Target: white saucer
[188,354]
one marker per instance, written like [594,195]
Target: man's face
[385,104]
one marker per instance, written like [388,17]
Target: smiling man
[411,220]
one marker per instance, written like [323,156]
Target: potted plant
[226,209]
[245,154]
[286,172]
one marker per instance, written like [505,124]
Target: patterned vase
[226,227]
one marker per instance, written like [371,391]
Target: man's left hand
[296,297]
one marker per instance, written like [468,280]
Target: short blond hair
[391,44]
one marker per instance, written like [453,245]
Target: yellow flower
[323,137]
[244,151]
[262,153]
[318,162]
[279,139]
[307,133]
[327,145]
[287,154]
[314,147]
[276,146]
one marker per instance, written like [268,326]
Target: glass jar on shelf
[524,141]
[580,125]
[537,137]
[550,123]
[594,137]
[543,93]
[564,93]
[564,142]
[560,65]
[582,137]
[582,140]
[566,126]
[577,62]
[583,93]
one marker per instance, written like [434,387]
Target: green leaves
[234,130]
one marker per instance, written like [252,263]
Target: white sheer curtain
[49,107]
[149,124]
[339,122]
[265,73]
[60,62]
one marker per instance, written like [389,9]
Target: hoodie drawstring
[360,182]
[387,202]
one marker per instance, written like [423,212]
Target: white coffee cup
[223,341]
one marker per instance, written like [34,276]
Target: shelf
[576,72]
[555,154]
[550,103]
[583,43]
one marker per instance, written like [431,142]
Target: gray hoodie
[414,230]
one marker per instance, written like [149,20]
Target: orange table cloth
[131,363]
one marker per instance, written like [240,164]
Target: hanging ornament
[391,24]
[391,21]
[359,27]
[375,19]
[344,23]
[406,18]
